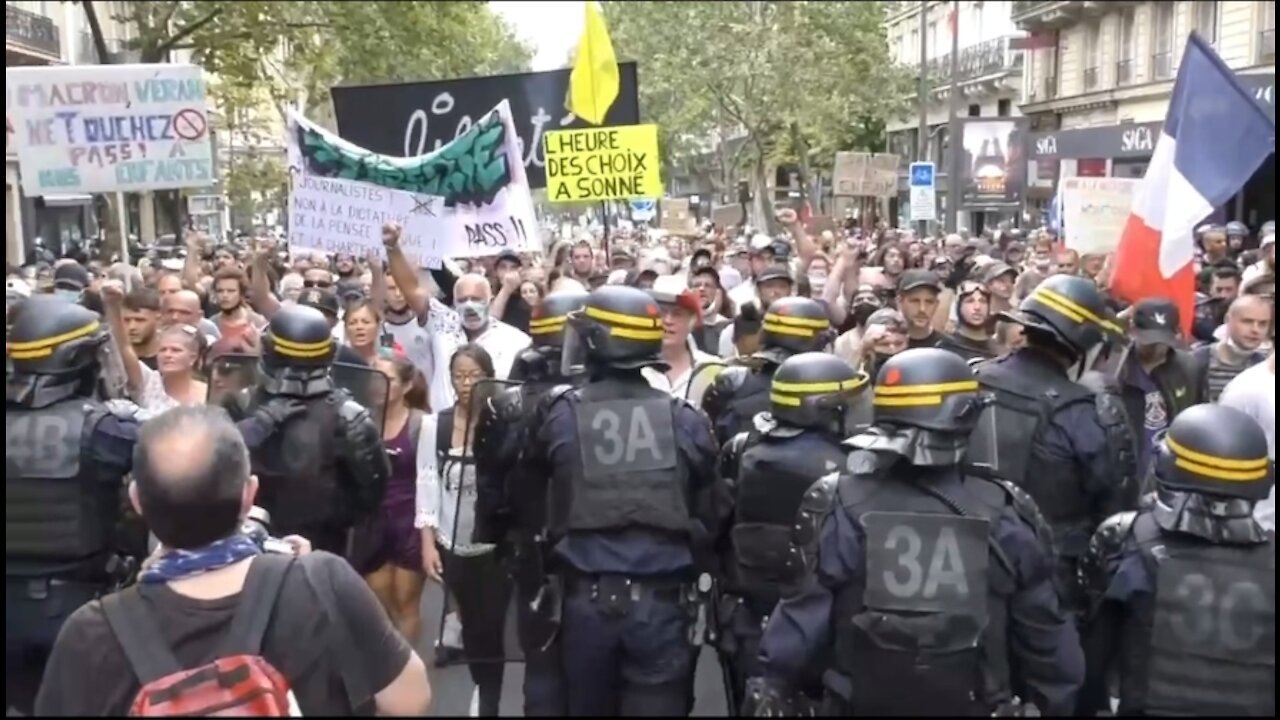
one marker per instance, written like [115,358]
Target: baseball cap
[672,293]
[775,272]
[1268,241]
[71,276]
[1156,321]
[916,279]
[509,255]
[997,270]
[761,243]
[323,300]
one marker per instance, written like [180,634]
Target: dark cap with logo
[323,300]
[1156,321]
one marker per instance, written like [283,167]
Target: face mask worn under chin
[475,314]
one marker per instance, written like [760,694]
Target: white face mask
[475,314]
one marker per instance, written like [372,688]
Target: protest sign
[724,216]
[677,218]
[468,199]
[858,174]
[100,128]
[408,119]
[1094,212]
[606,163]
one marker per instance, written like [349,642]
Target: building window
[1092,55]
[1125,47]
[1207,20]
[1162,42]
[975,111]
[1004,107]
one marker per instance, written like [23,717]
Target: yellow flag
[593,85]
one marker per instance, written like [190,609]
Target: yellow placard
[603,163]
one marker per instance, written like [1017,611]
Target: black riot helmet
[1070,312]
[928,389]
[795,325]
[619,327]
[548,320]
[819,391]
[298,337]
[1237,229]
[51,336]
[1215,450]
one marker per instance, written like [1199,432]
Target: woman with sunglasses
[178,352]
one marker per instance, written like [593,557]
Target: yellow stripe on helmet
[820,324]
[784,400]
[322,345]
[629,334]
[1078,309]
[614,318]
[1213,461]
[56,340]
[904,402]
[794,331]
[1216,474]
[938,389]
[818,387]
[553,320]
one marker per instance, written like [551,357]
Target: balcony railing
[31,31]
[976,61]
[1162,65]
[1090,78]
[1267,45]
[1051,87]
[1124,72]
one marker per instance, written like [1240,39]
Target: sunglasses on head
[317,284]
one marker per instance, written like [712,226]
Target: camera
[258,527]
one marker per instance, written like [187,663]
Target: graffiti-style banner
[469,198]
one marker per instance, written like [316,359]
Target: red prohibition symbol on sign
[189,124]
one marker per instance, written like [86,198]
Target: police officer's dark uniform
[1066,445]
[932,590]
[631,514]
[66,456]
[1183,590]
[323,472]
[791,325]
[511,507]
[817,401]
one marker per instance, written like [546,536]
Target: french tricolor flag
[1214,138]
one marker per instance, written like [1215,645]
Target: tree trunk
[762,208]
[802,152]
[95,30]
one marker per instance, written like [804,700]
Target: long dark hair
[479,356]
[416,397]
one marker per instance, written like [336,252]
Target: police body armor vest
[773,477]
[1006,445]
[628,471]
[297,468]
[923,630]
[58,509]
[1204,644]
[750,399]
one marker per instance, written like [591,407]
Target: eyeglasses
[323,284]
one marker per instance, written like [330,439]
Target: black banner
[993,163]
[410,119]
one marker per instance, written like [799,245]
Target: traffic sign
[643,210]
[922,174]
[924,201]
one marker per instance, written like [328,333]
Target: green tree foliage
[800,80]
[255,183]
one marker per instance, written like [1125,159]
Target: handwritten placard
[1094,212]
[99,128]
[468,199]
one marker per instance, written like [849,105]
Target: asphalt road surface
[452,687]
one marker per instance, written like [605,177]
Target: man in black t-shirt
[918,292]
[328,636]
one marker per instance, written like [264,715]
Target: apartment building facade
[1097,88]
[989,77]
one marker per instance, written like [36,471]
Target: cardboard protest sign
[859,174]
[677,218]
[606,163]
[469,199]
[1094,212]
[109,128]
[408,119]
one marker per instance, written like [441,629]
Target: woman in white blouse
[178,353]
[446,500]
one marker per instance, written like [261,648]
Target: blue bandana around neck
[181,564]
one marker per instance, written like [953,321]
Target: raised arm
[402,270]
[260,295]
[113,303]
[191,266]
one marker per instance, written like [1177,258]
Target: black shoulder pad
[508,404]
[1105,546]
[551,397]
[353,413]
[817,503]
[1029,511]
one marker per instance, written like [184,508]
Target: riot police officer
[739,393]
[66,455]
[323,472]
[1066,445]
[1183,590]
[931,590]
[509,510]
[816,401]
[634,504]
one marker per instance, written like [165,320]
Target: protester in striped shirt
[1247,327]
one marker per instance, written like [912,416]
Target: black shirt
[88,673]
[929,341]
[348,356]
[968,348]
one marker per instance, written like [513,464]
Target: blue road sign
[922,174]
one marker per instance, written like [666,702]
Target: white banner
[109,128]
[1094,212]
[470,198]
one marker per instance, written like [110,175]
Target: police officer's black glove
[765,699]
[277,410]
